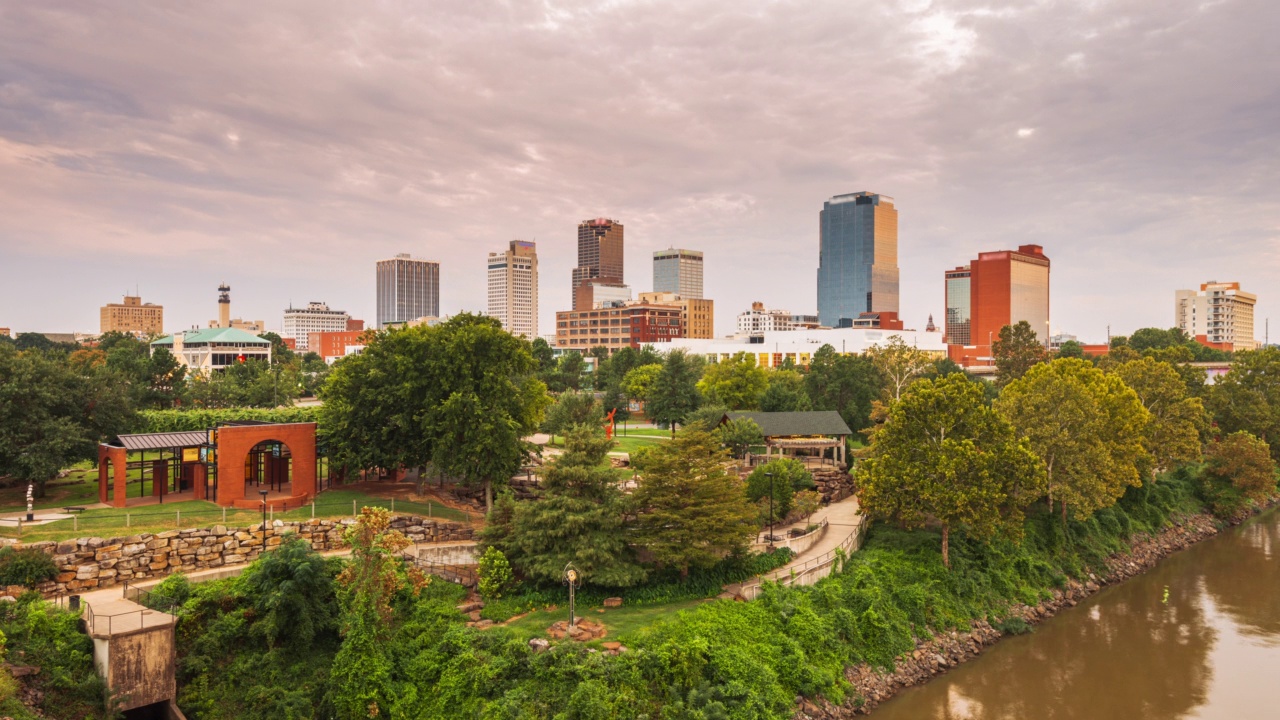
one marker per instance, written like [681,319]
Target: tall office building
[316,317]
[513,288]
[133,317]
[599,253]
[857,257]
[1003,288]
[957,324]
[678,271]
[1219,314]
[408,288]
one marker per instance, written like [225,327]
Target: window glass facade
[959,311]
[857,257]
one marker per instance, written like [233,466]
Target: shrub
[788,476]
[1240,472]
[1013,625]
[27,567]
[495,573]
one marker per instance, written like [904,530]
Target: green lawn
[620,622]
[632,443]
[109,522]
[644,432]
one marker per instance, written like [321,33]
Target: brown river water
[1197,636]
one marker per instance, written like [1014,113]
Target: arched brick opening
[237,484]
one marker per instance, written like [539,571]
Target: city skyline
[1053,125]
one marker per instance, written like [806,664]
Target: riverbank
[936,655]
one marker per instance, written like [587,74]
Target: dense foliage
[35,633]
[27,567]
[200,419]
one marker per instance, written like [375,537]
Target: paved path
[843,520]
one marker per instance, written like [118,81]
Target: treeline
[59,400]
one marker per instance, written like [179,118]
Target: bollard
[353,508]
[271,512]
[126,519]
[429,511]
[313,509]
[224,516]
[19,527]
[393,505]
[177,519]
[75,523]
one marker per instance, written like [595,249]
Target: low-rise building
[299,323]
[214,348]
[698,313]
[614,327]
[760,319]
[772,349]
[333,345]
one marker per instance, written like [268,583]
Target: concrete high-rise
[1218,315]
[316,317]
[408,288]
[513,288]
[1004,288]
[857,257]
[599,253]
[678,271]
[133,317]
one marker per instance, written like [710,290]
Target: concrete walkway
[843,522]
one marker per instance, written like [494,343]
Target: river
[1197,636]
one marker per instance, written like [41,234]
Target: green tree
[1176,420]
[845,383]
[782,478]
[807,502]
[944,454]
[639,382]
[1016,351]
[706,418]
[579,519]
[568,374]
[739,436]
[495,574]
[786,393]
[1180,357]
[1240,472]
[544,356]
[899,364]
[53,415]
[736,383]
[360,680]
[1071,349]
[281,354]
[460,396]
[675,394]
[570,410]
[1247,398]
[691,511]
[1087,426]
[292,592]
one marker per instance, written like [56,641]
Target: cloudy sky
[284,147]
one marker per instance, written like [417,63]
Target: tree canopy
[944,454]
[1176,419]
[460,395]
[899,365]
[736,383]
[1247,398]
[1087,426]
[1016,351]
[845,383]
[691,511]
[675,394]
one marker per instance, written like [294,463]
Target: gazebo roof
[161,440]
[784,424]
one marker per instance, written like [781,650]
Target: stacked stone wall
[93,563]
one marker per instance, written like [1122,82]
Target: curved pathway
[844,522]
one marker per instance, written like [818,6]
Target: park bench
[73,508]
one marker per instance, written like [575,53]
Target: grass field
[620,621]
[199,513]
[632,443]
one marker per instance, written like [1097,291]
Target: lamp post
[770,476]
[571,577]
[263,493]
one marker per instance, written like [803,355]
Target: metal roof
[783,424]
[162,441]
[215,335]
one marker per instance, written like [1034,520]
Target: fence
[101,625]
[150,518]
[795,543]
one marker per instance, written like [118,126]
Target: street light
[571,576]
[263,493]
[770,476]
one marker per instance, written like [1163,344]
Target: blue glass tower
[857,257]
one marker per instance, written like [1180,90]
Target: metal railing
[458,574]
[92,620]
[790,574]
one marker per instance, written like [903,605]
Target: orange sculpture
[610,425]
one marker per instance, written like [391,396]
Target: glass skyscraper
[408,289]
[857,257]
[678,271]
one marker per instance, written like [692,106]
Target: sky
[284,147]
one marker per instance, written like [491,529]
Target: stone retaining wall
[93,563]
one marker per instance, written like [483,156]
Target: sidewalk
[843,520]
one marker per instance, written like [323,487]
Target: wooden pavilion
[817,434]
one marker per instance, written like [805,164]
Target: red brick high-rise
[1004,288]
